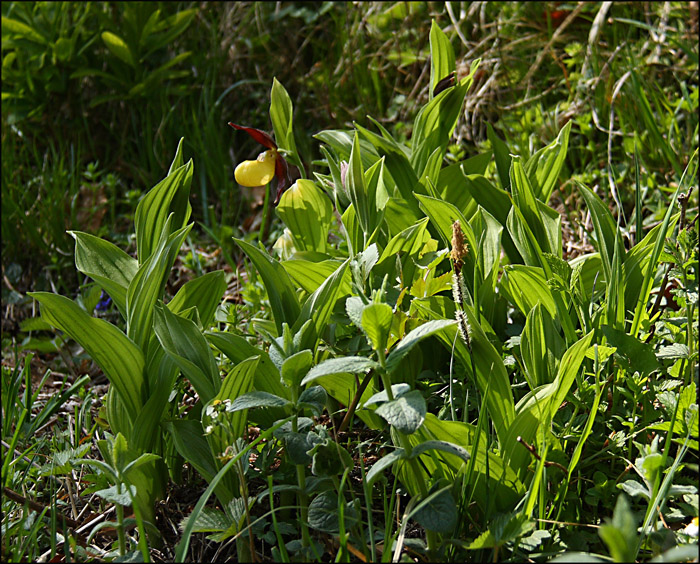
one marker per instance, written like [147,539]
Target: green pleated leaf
[237,349]
[525,287]
[148,284]
[281,115]
[170,195]
[117,355]
[319,306]
[187,347]
[442,56]
[106,264]
[544,167]
[280,290]
[310,275]
[204,293]
[307,212]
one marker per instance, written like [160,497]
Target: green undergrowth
[454,336]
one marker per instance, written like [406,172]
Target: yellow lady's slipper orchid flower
[258,172]
[269,163]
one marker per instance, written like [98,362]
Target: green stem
[405,443]
[120,530]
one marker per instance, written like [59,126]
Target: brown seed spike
[459,248]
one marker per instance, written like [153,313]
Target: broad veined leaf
[310,275]
[319,306]
[280,291]
[185,344]
[526,286]
[237,349]
[307,212]
[204,293]
[117,355]
[106,264]
[148,284]
[170,195]
[444,446]
[191,444]
[544,167]
[442,56]
[538,407]
[281,115]
[541,346]
[606,230]
[501,154]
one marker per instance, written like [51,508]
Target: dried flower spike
[459,248]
